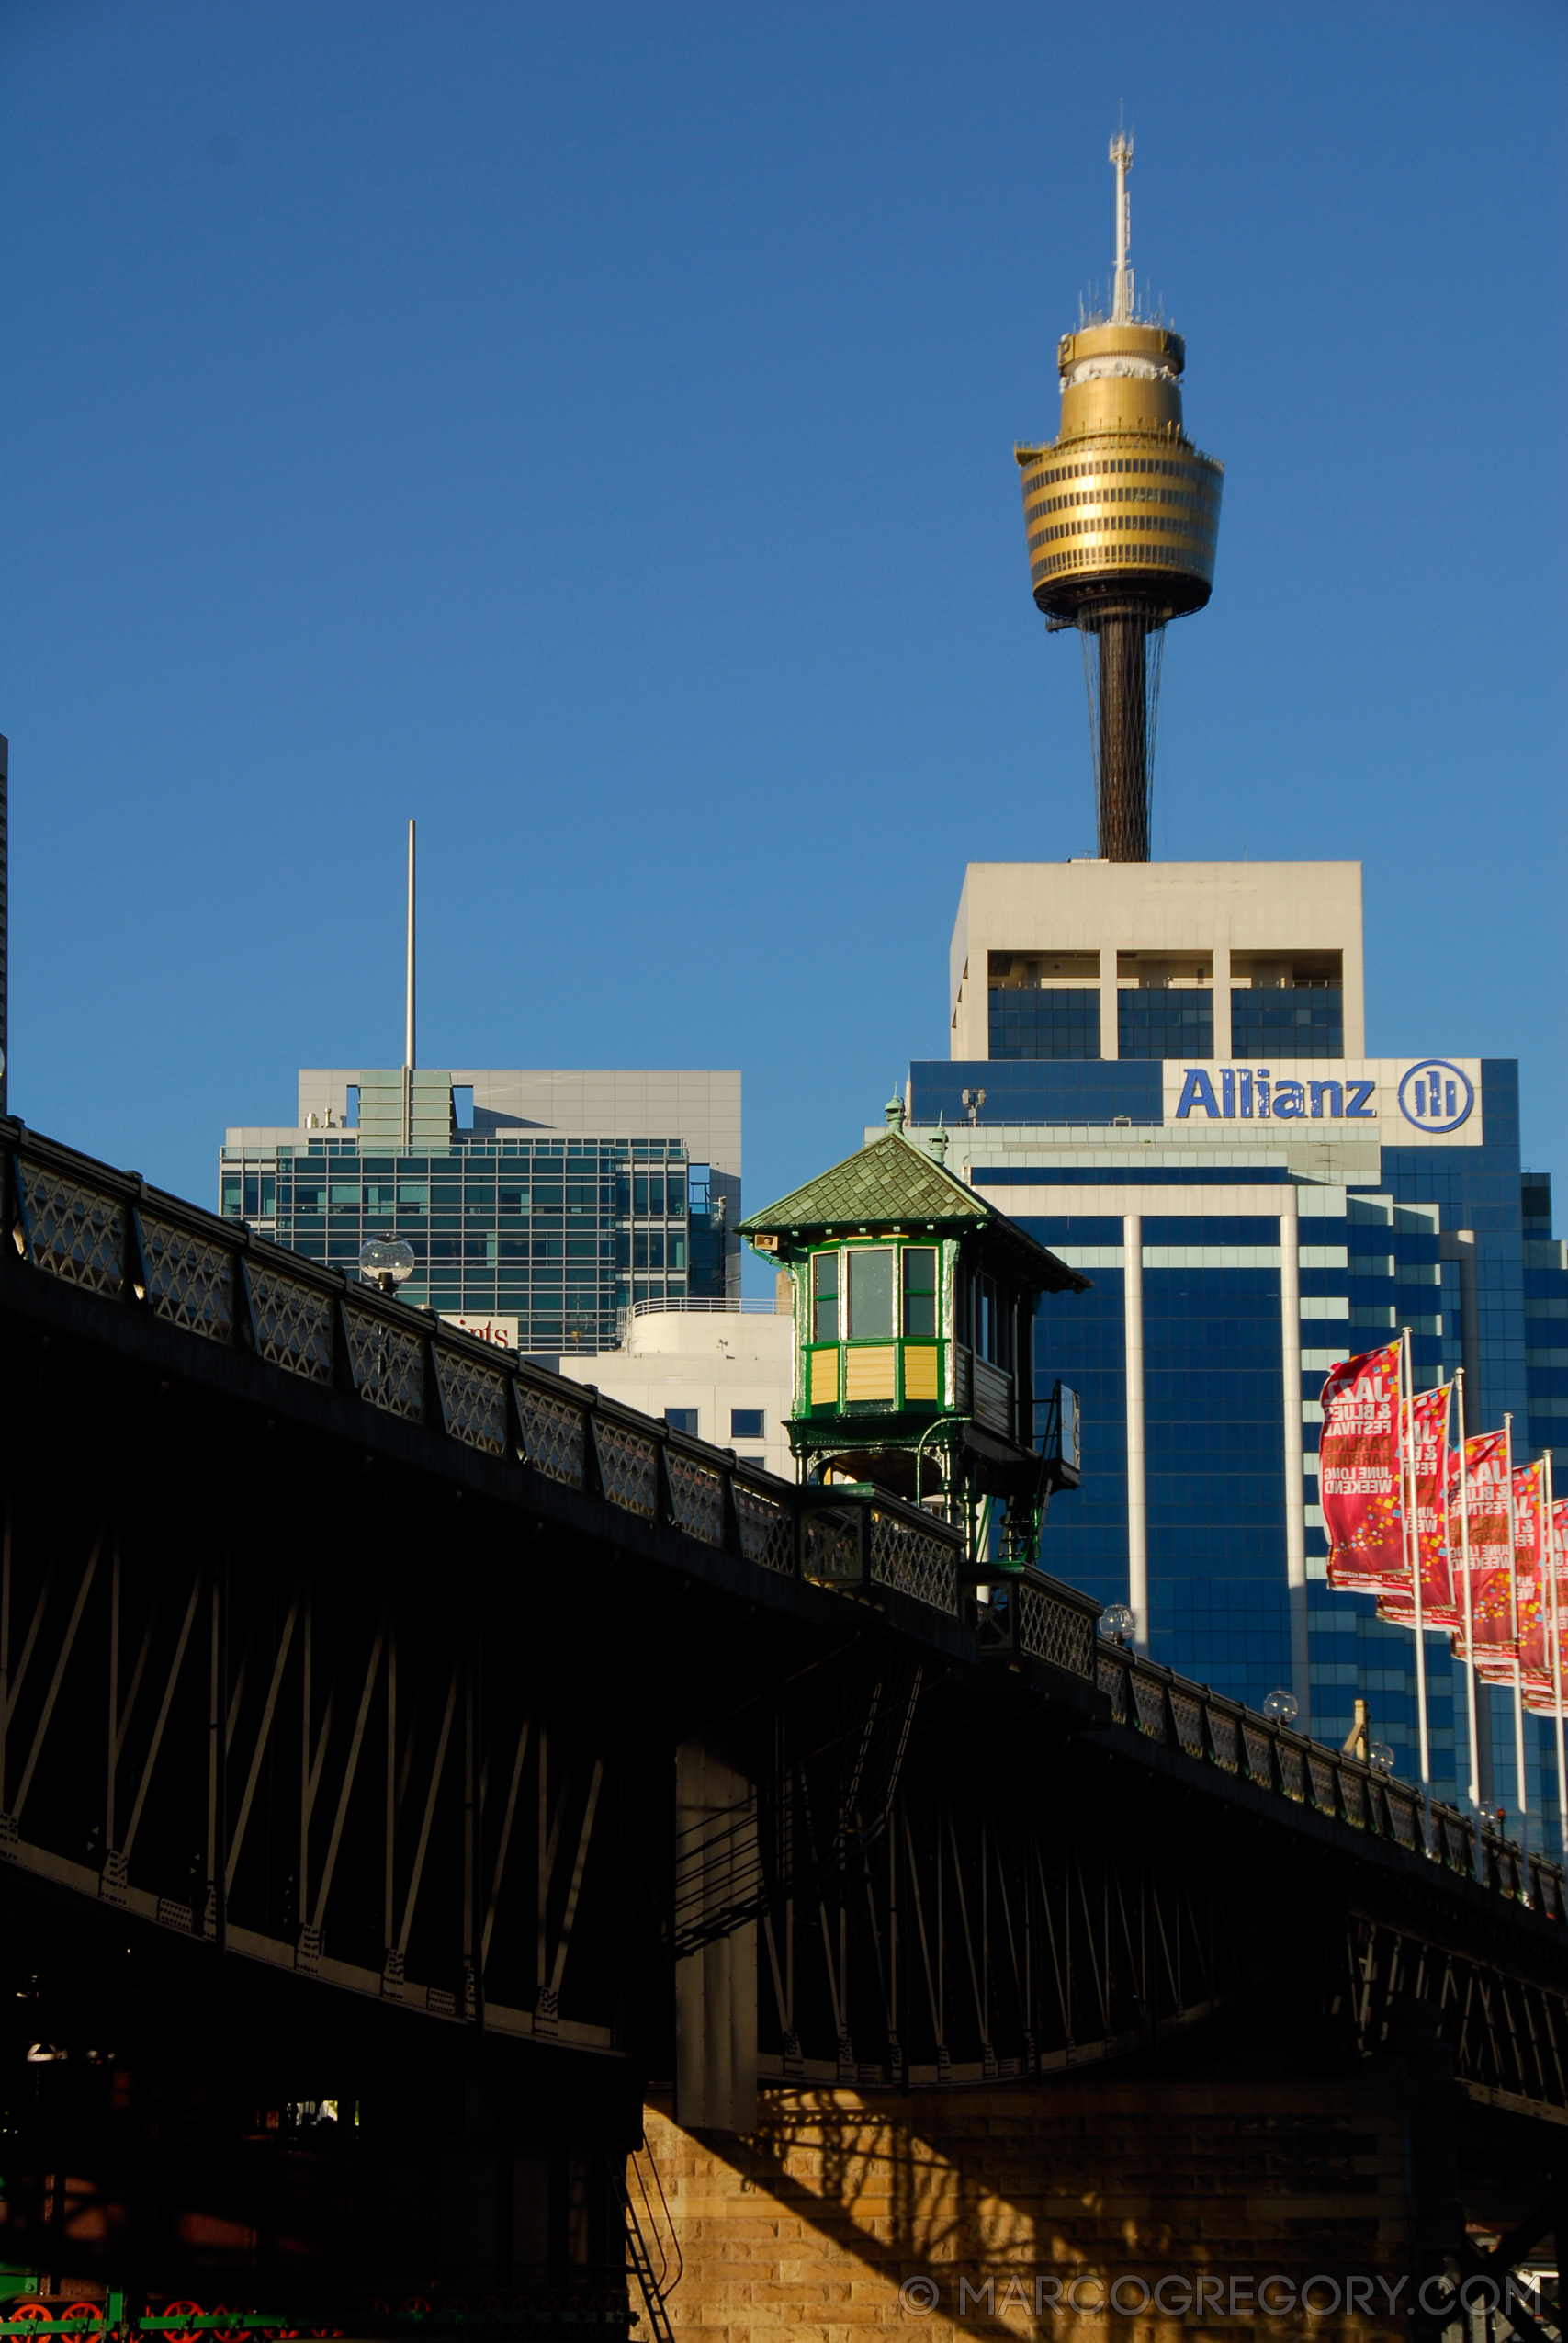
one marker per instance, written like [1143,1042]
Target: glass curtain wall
[561,1234]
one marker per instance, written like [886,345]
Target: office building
[540,1206]
[1160,1070]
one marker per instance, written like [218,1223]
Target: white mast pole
[1121,156]
[1413,1548]
[408,993]
[1468,1616]
[1556,1665]
[1514,1622]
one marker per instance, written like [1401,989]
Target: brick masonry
[808,2226]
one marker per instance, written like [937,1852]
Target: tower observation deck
[1123,514]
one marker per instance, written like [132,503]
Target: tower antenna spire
[408,971]
[1121,156]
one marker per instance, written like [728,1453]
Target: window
[746,1423]
[825,1298]
[995,1328]
[919,1289]
[463,1105]
[871,1294]
[682,1419]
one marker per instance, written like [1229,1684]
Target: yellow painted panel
[920,1371]
[824,1378]
[868,1371]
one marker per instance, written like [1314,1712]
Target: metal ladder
[656,2283]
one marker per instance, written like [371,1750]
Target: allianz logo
[1433,1095]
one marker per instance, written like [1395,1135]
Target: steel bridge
[400,1744]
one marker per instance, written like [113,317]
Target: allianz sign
[1433,1096]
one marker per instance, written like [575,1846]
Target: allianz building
[1177,1100]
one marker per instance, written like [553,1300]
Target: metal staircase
[645,2215]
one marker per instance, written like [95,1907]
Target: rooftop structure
[1200,960]
[1123,515]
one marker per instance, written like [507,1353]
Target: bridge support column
[716,1987]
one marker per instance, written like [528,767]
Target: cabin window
[871,1294]
[993,1334]
[919,1289]
[962,1329]
[825,1298]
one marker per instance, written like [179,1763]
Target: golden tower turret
[1123,513]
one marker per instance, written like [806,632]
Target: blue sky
[589,429]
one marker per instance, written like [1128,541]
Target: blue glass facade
[1097,1090]
[1164,1021]
[1288,1022]
[561,1234]
[1043,1021]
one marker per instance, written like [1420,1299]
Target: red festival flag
[1540,1692]
[1530,1597]
[1359,1481]
[1490,1556]
[1436,1472]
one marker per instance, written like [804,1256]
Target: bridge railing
[1162,1706]
[110,1235]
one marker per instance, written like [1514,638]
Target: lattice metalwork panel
[906,1559]
[629,1466]
[389,1366]
[1112,1681]
[1223,1738]
[555,1433]
[1322,1795]
[698,1496]
[1457,1845]
[1353,1791]
[766,1530]
[1150,1698]
[1292,1772]
[1401,1814]
[1189,1718]
[188,1282]
[75,1234]
[1259,1758]
[294,1325]
[474,1401]
[832,1548]
[1050,1629]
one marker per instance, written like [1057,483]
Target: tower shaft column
[1124,739]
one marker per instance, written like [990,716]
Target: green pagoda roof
[892,1184]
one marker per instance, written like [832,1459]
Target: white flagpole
[1556,1665]
[1469,1617]
[1514,1619]
[1413,1548]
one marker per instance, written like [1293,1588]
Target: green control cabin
[914,1300]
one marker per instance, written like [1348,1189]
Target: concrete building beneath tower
[541,1207]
